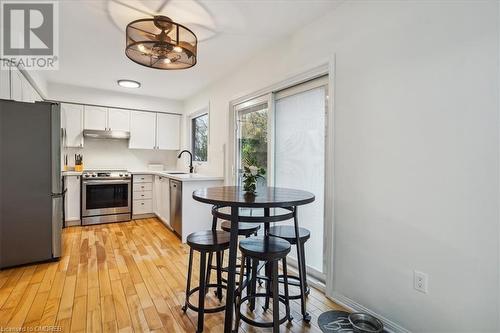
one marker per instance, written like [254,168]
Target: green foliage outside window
[253,139]
[199,127]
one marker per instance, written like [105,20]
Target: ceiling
[92,40]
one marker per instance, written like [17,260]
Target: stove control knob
[94,175]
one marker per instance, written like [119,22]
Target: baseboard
[142,216]
[165,223]
[348,303]
[73,223]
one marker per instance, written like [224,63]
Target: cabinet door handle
[142,203]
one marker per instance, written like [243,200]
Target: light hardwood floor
[119,277]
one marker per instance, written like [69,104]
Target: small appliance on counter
[106,196]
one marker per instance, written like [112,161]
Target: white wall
[86,95]
[114,154]
[416,153]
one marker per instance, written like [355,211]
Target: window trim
[191,117]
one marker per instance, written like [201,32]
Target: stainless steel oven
[106,197]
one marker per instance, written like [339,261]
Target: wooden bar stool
[288,233]
[270,250]
[244,229]
[205,242]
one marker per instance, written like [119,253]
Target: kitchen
[127,185]
[249,166]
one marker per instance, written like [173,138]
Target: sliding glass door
[285,133]
[299,159]
[252,136]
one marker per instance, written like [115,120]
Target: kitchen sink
[177,173]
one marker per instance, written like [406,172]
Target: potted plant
[251,173]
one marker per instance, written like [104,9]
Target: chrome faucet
[190,159]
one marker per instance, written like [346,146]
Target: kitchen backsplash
[114,154]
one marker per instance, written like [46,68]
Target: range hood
[101,134]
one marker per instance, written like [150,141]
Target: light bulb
[177,49]
[167,61]
[129,84]
[141,48]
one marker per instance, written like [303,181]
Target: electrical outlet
[420,281]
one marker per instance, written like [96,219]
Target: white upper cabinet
[167,129]
[72,123]
[142,130]
[5,83]
[28,93]
[104,119]
[118,120]
[16,84]
[96,118]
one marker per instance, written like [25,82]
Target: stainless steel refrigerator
[31,194]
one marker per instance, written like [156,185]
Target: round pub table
[234,198]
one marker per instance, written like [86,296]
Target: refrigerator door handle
[58,195]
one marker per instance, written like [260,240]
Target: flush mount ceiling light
[160,43]
[129,84]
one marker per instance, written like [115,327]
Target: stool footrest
[209,310]
[296,283]
[261,323]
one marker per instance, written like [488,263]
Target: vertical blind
[300,156]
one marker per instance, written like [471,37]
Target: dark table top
[269,197]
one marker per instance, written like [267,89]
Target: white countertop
[71,173]
[188,177]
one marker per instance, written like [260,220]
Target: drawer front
[142,206]
[143,178]
[141,195]
[143,187]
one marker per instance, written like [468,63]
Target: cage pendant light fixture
[160,43]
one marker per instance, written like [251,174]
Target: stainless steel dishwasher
[176,206]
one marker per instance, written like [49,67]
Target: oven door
[106,197]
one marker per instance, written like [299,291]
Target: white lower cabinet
[72,200]
[156,195]
[141,207]
[162,199]
[142,195]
